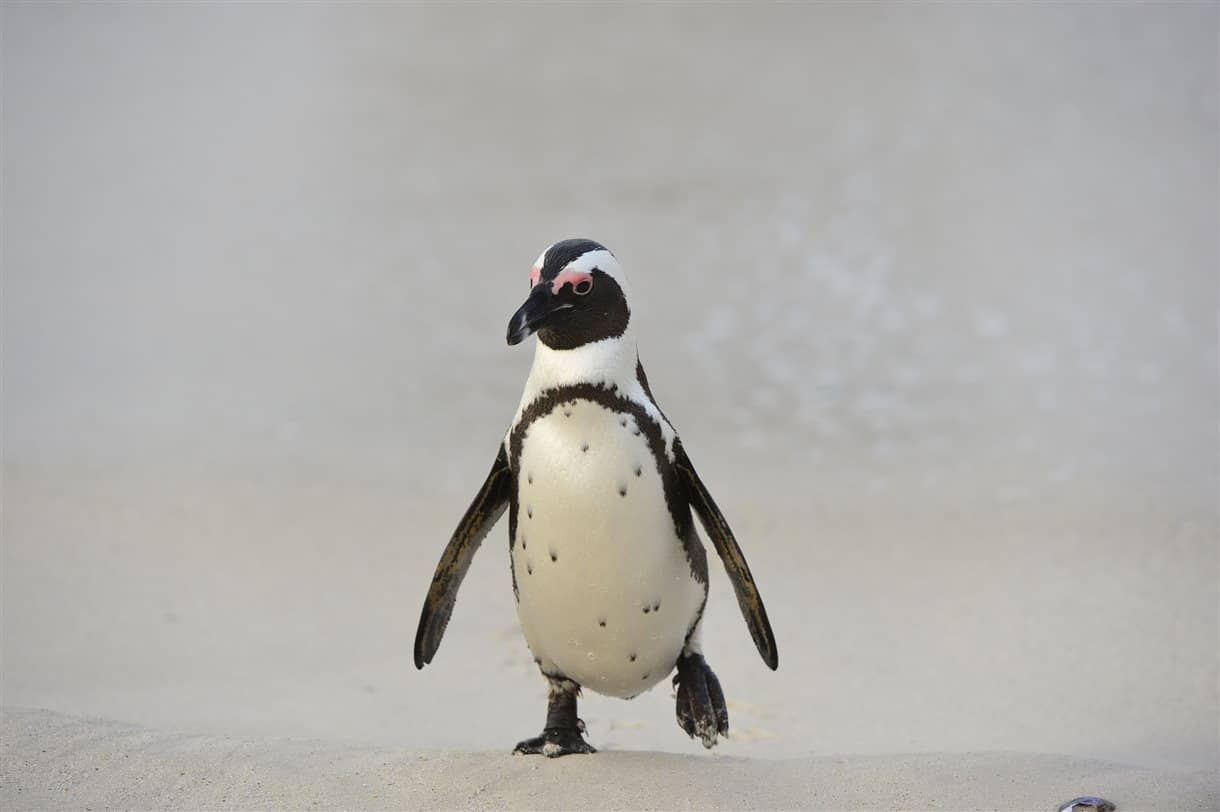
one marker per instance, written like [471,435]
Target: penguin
[609,574]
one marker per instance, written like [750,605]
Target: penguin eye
[582,287]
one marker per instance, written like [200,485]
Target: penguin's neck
[605,362]
[610,363]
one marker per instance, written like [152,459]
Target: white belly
[605,591]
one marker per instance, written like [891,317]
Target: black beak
[537,310]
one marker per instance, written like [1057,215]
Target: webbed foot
[555,742]
[562,735]
[700,704]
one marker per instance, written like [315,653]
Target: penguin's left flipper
[721,535]
[480,517]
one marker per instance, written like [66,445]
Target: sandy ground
[280,608]
[51,760]
[929,292]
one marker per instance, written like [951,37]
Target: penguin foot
[562,734]
[700,702]
[555,742]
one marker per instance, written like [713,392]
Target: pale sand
[929,291]
[56,761]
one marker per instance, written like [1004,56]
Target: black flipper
[722,539]
[480,517]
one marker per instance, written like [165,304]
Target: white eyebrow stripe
[600,259]
[603,261]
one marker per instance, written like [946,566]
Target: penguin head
[577,296]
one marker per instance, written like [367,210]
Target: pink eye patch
[535,275]
[581,282]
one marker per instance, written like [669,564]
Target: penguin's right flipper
[735,565]
[480,517]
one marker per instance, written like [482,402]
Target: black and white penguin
[609,574]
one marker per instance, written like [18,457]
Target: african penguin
[608,571]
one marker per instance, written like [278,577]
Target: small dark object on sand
[1087,804]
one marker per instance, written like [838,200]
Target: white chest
[605,591]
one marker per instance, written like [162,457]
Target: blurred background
[929,290]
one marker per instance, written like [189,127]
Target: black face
[568,308]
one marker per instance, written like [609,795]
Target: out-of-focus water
[930,292]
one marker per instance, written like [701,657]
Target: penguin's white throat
[609,361]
